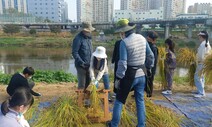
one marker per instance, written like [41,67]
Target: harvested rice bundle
[161,58]
[63,113]
[187,58]
[207,68]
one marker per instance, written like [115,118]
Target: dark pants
[149,85]
[83,77]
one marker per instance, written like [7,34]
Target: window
[46,12]
[41,12]
[52,12]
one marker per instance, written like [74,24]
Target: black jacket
[17,81]
[155,52]
[82,49]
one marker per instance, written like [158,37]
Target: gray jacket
[82,50]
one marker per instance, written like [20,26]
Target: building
[173,8]
[133,15]
[53,10]
[102,10]
[95,10]
[154,4]
[19,5]
[134,5]
[202,8]
[84,10]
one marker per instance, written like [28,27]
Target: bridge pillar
[167,30]
[189,31]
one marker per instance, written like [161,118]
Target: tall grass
[187,58]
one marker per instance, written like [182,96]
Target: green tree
[55,29]
[32,31]
[11,29]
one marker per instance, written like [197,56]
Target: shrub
[32,31]
[11,29]
[55,29]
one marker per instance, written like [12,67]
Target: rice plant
[156,115]
[95,109]
[33,109]
[187,58]
[128,119]
[207,68]
[63,113]
[161,58]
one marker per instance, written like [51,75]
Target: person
[13,109]
[82,51]
[115,59]
[169,65]
[130,75]
[151,39]
[22,80]
[99,68]
[203,50]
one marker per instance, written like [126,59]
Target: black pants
[149,85]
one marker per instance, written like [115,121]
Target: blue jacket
[82,50]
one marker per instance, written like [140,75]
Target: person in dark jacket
[22,80]
[152,38]
[115,59]
[82,51]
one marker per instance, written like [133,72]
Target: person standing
[203,50]
[22,80]
[151,39]
[130,75]
[115,59]
[169,65]
[82,51]
[13,109]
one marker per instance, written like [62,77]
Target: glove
[95,82]
[149,72]
[85,66]
[117,84]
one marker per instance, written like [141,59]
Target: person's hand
[117,84]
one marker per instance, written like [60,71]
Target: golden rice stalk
[128,119]
[63,113]
[207,68]
[161,58]
[157,116]
[95,109]
[33,109]
[187,58]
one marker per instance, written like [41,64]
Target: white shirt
[203,51]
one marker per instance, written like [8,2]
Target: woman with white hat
[98,67]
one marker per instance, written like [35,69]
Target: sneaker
[167,92]
[199,95]
[108,124]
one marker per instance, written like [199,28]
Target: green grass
[35,41]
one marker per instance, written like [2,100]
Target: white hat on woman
[100,52]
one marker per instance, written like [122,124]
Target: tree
[32,31]
[55,29]
[11,29]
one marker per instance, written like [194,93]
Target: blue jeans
[138,84]
[199,80]
[106,81]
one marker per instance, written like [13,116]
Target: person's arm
[75,51]
[91,69]
[101,72]
[149,62]
[115,51]
[122,64]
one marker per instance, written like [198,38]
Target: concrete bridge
[166,24]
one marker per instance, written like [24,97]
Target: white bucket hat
[100,52]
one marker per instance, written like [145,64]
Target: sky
[72,11]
